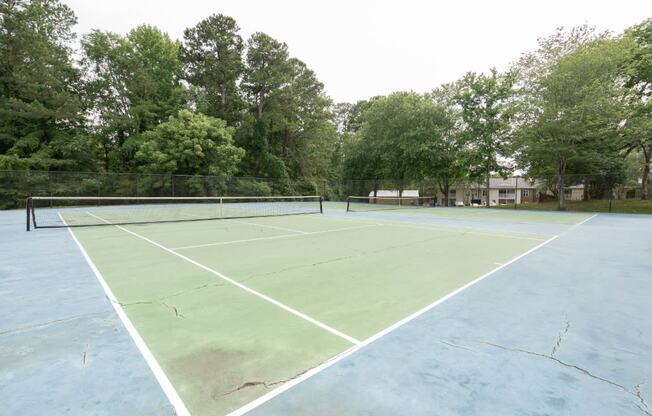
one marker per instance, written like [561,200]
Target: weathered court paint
[563,331]
[62,348]
[358,273]
[356,279]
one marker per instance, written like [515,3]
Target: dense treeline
[214,103]
[576,110]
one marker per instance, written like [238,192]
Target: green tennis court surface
[231,309]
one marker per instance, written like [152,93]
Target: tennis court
[228,313]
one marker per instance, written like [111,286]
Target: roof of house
[406,193]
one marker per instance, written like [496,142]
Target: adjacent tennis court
[228,312]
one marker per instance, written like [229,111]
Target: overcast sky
[364,48]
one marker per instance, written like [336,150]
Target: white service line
[274,237]
[262,399]
[240,285]
[579,223]
[172,395]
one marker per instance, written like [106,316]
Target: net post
[321,204]
[348,204]
[221,208]
[28,205]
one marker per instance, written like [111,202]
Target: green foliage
[574,124]
[486,111]
[40,108]
[288,131]
[212,54]
[190,144]
[404,136]
[637,71]
[133,84]
[578,106]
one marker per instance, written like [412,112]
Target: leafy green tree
[41,114]
[133,84]
[212,54]
[190,144]
[637,131]
[446,154]
[267,70]
[486,111]
[574,123]
[288,131]
[402,138]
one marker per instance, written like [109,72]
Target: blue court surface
[561,327]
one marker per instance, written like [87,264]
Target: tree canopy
[577,108]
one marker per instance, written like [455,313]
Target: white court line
[259,401]
[579,223]
[284,387]
[240,285]
[253,223]
[274,237]
[172,395]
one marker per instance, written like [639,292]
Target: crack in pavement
[563,333]
[53,322]
[266,384]
[360,253]
[84,354]
[639,394]
[642,405]
[161,300]
[183,292]
[337,259]
[455,345]
[174,308]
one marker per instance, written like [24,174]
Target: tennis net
[378,203]
[51,212]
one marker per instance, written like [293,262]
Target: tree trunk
[585,194]
[646,172]
[488,184]
[560,192]
[259,104]
[447,189]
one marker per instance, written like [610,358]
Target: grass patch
[625,206]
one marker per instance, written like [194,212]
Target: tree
[288,131]
[574,122]
[446,162]
[41,114]
[637,131]
[212,54]
[267,70]
[133,84]
[401,138]
[486,110]
[190,144]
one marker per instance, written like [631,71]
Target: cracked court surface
[561,330]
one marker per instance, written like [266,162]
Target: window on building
[526,192]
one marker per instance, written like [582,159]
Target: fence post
[28,204]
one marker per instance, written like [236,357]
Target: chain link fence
[580,192]
[16,186]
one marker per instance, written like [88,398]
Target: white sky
[364,48]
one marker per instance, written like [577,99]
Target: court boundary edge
[167,387]
[309,374]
